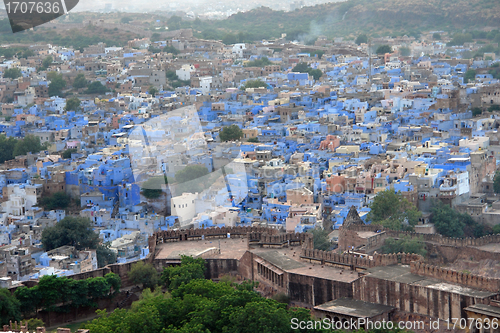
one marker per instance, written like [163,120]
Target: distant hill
[375,17]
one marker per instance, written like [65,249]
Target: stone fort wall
[452,276]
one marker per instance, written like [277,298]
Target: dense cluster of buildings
[310,149]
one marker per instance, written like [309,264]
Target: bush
[59,200]
[144,274]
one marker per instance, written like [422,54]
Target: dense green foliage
[404,51]
[254,140]
[476,112]
[67,153]
[152,187]
[174,80]
[7,146]
[264,61]
[170,49]
[255,84]
[144,274]
[96,87]
[470,76]
[320,239]
[72,104]
[304,68]
[52,291]
[57,83]
[33,323]
[46,62]
[12,73]
[10,307]
[231,133]
[73,231]
[59,200]
[153,91]
[11,147]
[105,255]
[404,245]
[199,305]
[460,39]
[362,39]
[383,49]
[173,277]
[496,182]
[392,211]
[436,36]
[80,81]
[451,223]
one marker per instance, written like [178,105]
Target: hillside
[381,17]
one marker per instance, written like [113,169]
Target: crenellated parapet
[432,238]
[453,276]
[356,260]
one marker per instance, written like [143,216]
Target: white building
[184,207]
[205,84]
[184,73]
[238,49]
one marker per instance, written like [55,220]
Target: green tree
[383,49]
[496,182]
[231,133]
[26,54]
[405,245]
[67,153]
[496,229]
[80,81]
[404,51]
[74,231]
[46,62]
[170,49]
[392,211]
[72,104]
[153,49]
[494,107]
[57,83]
[105,255]
[255,84]
[255,140]
[476,112]
[144,274]
[33,323]
[301,67]
[152,188]
[362,39]
[174,23]
[30,144]
[59,200]
[316,74]
[126,19]
[7,146]
[264,61]
[12,73]
[320,239]
[10,307]
[30,300]
[230,39]
[153,91]
[190,269]
[470,76]
[96,88]
[436,36]
[451,223]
